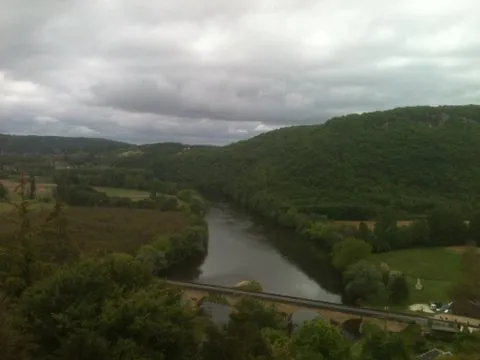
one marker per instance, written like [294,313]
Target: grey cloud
[213,71]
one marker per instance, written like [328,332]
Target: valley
[352,211]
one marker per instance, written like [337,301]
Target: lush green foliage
[105,309]
[347,252]
[128,179]
[379,344]
[364,282]
[318,340]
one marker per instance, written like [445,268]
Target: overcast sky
[216,71]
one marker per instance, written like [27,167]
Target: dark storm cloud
[214,71]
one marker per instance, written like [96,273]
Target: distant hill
[42,145]
[352,167]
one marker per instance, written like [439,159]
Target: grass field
[437,269]
[111,229]
[132,194]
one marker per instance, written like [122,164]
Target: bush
[249,285]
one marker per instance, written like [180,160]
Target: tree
[365,233]
[150,323]
[108,308]
[467,286]
[54,234]
[474,228]
[3,192]
[249,310]
[243,337]
[398,287]
[363,282]
[379,344]
[249,285]
[349,251]
[466,343]
[33,187]
[447,227]
[385,232]
[318,340]
[417,233]
[62,312]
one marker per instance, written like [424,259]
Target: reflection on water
[242,248]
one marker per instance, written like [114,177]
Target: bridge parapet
[335,313]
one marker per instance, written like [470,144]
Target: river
[242,247]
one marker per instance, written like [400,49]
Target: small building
[433,354]
[219,313]
[298,318]
[464,308]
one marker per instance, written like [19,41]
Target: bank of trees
[139,179]
[75,187]
[47,145]
[441,227]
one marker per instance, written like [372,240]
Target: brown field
[110,229]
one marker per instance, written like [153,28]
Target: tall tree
[385,232]
[3,192]
[474,228]
[398,287]
[364,282]
[447,227]
[33,187]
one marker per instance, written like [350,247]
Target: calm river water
[242,247]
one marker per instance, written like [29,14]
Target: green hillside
[352,167]
[43,145]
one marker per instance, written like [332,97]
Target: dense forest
[352,167]
[31,144]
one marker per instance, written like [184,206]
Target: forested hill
[355,166]
[41,145]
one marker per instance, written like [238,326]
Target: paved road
[391,315]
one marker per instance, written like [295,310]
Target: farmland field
[111,229]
